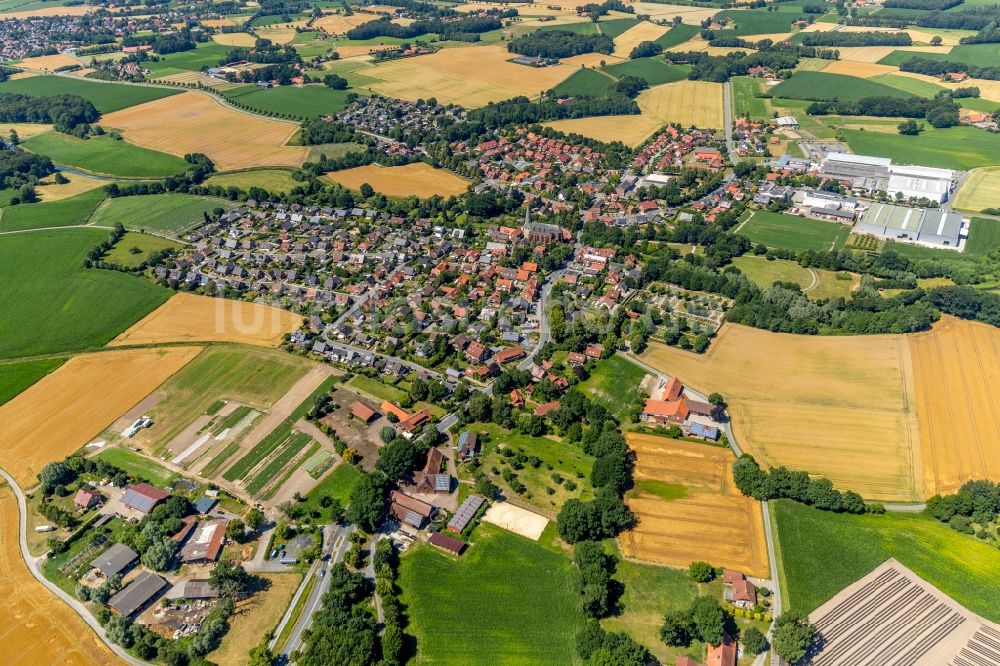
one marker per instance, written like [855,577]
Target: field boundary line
[74,605]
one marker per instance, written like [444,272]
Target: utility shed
[115,560]
[137,594]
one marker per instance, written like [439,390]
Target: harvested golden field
[280,34]
[63,411]
[196,122]
[51,191]
[875,53]
[957,371]
[338,24]
[24,130]
[255,618]
[234,39]
[470,75]
[361,50]
[593,60]
[840,407]
[75,10]
[712,520]
[630,130]
[223,22]
[192,318]
[631,38]
[688,14]
[689,103]
[697,103]
[982,190]
[50,63]
[865,70]
[418,179]
[39,628]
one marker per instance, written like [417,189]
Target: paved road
[370,574]
[70,601]
[727,103]
[333,551]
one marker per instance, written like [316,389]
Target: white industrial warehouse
[879,174]
[926,226]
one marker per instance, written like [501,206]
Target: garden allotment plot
[840,407]
[713,521]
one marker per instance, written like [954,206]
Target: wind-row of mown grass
[280,435]
[821,553]
[290,448]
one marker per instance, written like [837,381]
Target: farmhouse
[723,654]
[430,480]
[468,446]
[409,510]
[927,226]
[662,412]
[206,542]
[86,498]
[137,595]
[143,497]
[114,560]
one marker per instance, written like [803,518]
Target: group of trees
[21,170]
[940,111]
[780,483]
[971,18]
[598,647]
[645,49]
[844,38]
[703,620]
[465,29]
[930,67]
[554,44]
[595,586]
[521,110]
[343,630]
[977,503]
[926,5]
[65,112]
[264,51]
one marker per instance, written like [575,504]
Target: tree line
[941,67]
[554,44]
[65,112]
[842,38]
[940,111]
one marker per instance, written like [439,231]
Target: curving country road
[70,601]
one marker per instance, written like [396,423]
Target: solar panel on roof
[442,482]
[414,518]
[138,501]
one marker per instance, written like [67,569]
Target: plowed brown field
[841,407]
[714,521]
[957,371]
[63,411]
[193,318]
[38,628]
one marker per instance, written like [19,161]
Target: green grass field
[614,384]
[106,97]
[50,303]
[951,148]
[375,388]
[984,236]
[63,213]
[207,54]
[970,54]
[822,552]
[759,21]
[250,375]
[765,273]
[137,465]
[653,70]
[290,101]
[15,377]
[650,591]
[505,601]
[913,86]
[122,253]
[823,86]
[677,35]
[616,26]
[104,155]
[794,233]
[747,104]
[337,484]
[170,213]
[585,82]
[568,460]
[272,180]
